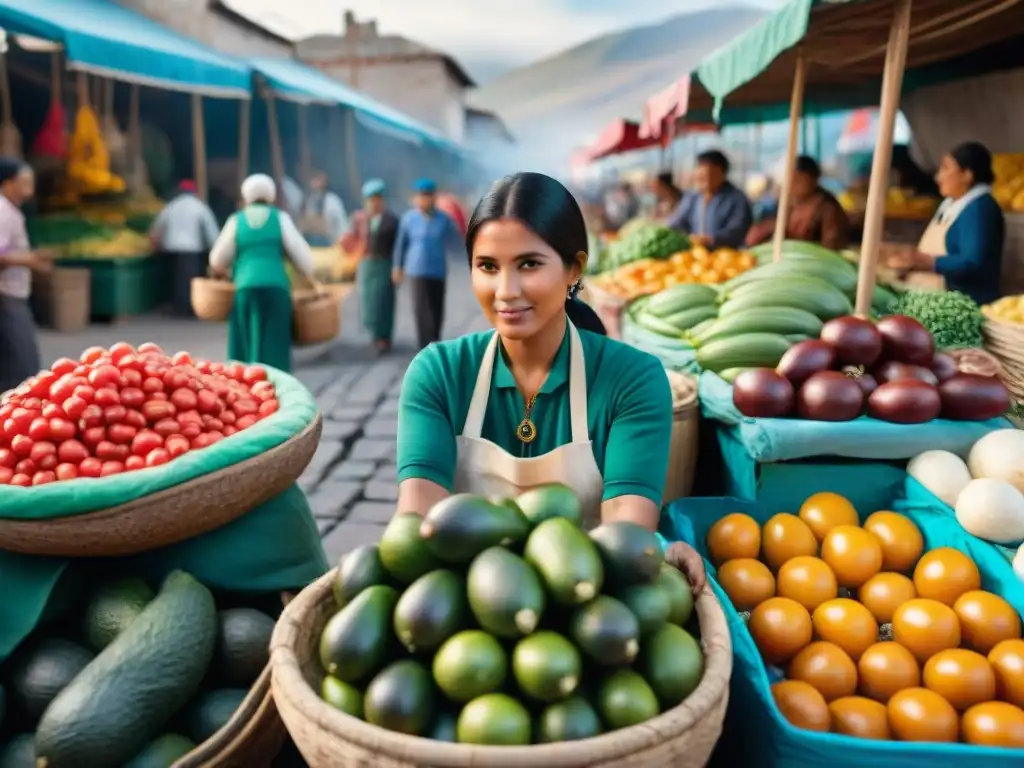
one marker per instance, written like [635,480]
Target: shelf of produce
[121,287]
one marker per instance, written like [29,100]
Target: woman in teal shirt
[538,400]
[253,246]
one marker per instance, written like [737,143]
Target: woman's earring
[575,288]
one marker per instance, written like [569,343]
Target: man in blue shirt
[717,214]
[426,238]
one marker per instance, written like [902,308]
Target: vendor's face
[318,183]
[424,201]
[804,185]
[707,177]
[519,280]
[375,204]
[21,187]
[952,180]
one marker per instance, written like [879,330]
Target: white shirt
[15,282]
[185,225]
[292,194]
[332,209]
[223,253]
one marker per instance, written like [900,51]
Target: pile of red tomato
[122,409]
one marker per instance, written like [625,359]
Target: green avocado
[650,604]
[494,719]
[20,752]
[403,552]
[626,699]
[547,501]
[111,608]
[212,711]
[569,720]
[470,664]
[672,663]
[342,696]
[631,553]
[163,752]
[359,569]
[680,594]
[547,667]
[606,631]
[505,593]
[355,642]
[567,560]
[401,698]
[243,646]
[460,527]
[42,670]
[431,610]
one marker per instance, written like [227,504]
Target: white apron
[933,241]
[487,469]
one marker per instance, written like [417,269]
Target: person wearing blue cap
[426,239]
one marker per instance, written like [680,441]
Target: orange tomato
[944,574]
[993,724]
[917,714]
[784,537]
[780,627]
[860,717]
[801,705]
[734,536]
[846,623]
[853,554]
[886,668]
[824,511]
[963,678]
[747,582]
[925,627]
[808,580]
[986,620]
[883,593]
[901,540]
[827,667]
[1007,660]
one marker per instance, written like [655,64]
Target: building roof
[486,114]
[226,10]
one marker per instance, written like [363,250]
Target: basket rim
[288,683]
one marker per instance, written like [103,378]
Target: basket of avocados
[497,634]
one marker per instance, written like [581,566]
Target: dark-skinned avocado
[650,604]
[631,553]
[211,712]
[359,569]
[460,527]
[505,593]
[111,608]
[606,631]
[552,500]
[625,699]
[567,560]
[494,719]
[672,663]
[342,696]
[680,594]
[20,752]
[546,666]
[44,669]
[569,720]
[431,610]
[354,644]
[403,552]
[243,646]
[401,698]
[163,752]
[470,664]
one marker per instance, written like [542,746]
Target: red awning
[664,108]
[620,136]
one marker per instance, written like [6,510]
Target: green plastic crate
[125,286]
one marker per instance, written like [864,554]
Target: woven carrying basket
[172,515]
[316,317]
[212,299]
[683,449]
[683,737]
[1006,342]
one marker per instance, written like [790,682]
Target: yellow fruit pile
[877,638]
[1008,188]
[1009,309]
[697,265]
[126,243]
[904,204]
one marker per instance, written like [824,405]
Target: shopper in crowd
[537,400]
[19,348]
[667,195]
[182,234]
[964,241]
[253,246]
[426,239]
[620,205]
[815,215]
[763,196]
[718,215]
[372,238]
[323,220]
[293,196]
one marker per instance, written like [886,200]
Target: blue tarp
[107,39]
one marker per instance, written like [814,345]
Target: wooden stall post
[276,151]
[244,116]
[305,159]
[874,210]
[796,104]
[199,144]
[135,124]
[352,150]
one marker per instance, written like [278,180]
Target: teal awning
[103,38]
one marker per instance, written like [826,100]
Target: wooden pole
[352,150]
[135,127]
[276,152]
[199,144]
[305,160]
[244,115]
[796,104]
[874,211]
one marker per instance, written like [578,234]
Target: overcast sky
[487,36]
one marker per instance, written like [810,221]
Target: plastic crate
[124,286]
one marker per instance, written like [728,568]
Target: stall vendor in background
[253,246]
[718,214]
[323,220]
[537,400]
[667,195]
[815,215]
[372,239]
[182,234]
[964,241]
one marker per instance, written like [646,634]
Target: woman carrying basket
[253,246]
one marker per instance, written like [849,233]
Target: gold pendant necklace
[527,431]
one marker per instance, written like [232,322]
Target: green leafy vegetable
[952,317]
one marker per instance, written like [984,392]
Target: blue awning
[103,38]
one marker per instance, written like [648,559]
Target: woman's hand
[688,560]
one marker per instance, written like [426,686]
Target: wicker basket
[212,298]
[181,512]
[682,455]
[1006,342]
[316,316]
[683,737]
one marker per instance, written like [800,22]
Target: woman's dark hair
[550,211]
[808,165]
[974,157]
[10,167]
[714,157]
[665,179]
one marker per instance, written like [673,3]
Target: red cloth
[187,185]
[52,139]
[450,205]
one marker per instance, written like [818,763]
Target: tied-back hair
[975,157]
[550,211]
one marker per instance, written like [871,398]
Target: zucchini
[680,297]
[796,338]
[123,699]
[823,301]
[688,318]
[701,328]
[839,274]
[758,287]
[795,249]
[656,325]
[749,350]
[784,320]
[730,374]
